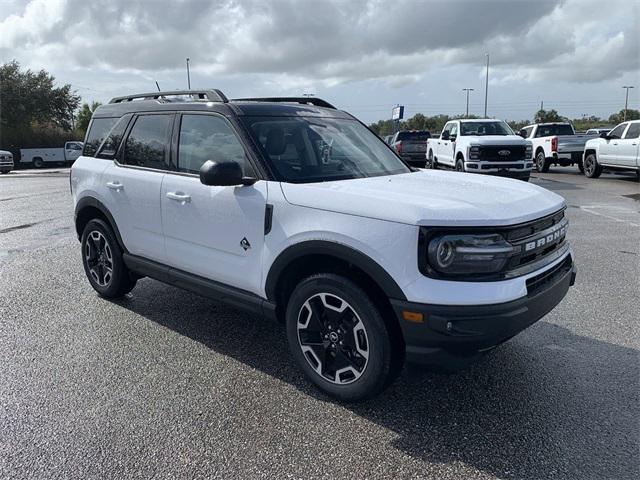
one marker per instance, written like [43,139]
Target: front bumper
[447,332]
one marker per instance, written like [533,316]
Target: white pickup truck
[39,157]
[481,146]
[555,144]
[617,150]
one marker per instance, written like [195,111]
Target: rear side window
[148,142]
[634,131]
[207,137]
[97,132]
[548,130]
[414,136]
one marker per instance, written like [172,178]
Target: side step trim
[233,296]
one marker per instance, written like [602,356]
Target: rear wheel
[431,161]
[102,261]
[592,168]
[542,164]
[37,162]
[580,166]
[339,338]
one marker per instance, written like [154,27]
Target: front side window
[308,149]
[454,129]
[97,132]
[491,127]
[148,142]
[208,137]
[633,131]
[618,131]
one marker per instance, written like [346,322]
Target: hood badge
[504,153]
[244,243]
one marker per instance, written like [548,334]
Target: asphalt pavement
[166,384]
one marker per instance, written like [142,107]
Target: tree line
[436,123]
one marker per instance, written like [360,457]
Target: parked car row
[490,146]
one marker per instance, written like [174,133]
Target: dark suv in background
[411,145]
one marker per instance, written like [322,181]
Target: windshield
[309,149]
[485,128]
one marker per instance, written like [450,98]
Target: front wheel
[592,168]
[102,261]
[459,165]
[339,338]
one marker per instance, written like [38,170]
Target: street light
[626,101]
[188,76]
[467,90]
[486,87]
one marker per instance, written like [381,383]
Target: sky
[364,56]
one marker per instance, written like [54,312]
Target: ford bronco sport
[290,208]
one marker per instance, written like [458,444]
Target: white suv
[290,208]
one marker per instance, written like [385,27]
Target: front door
[609,151]
[629,146]
[214,232]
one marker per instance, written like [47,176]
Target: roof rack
[213,95]
[318,102]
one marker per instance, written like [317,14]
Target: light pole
[626,101]
[188,75]
[486,88]
[467,90]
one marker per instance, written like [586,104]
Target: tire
[102,261]
[340,340]
[38,163]
[592,168]
[542,164]
[580,166]
[431,161]
[460,165]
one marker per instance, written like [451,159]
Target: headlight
[468,253]
[528,151]
[474,153]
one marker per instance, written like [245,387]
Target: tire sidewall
[590,166]
[460,165]
[119,270]
[540,161]
[373,379]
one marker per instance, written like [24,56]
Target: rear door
[210,231]
[132,184]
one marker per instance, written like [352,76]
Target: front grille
[489,166]
[490,153]
[537,282]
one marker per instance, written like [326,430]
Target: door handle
[179,197]
[115,186]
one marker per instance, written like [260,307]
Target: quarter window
[97,132]
[148,142]
[207,137]
[633,131]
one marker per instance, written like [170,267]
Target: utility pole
[542,105]
[486,88]
[188,75]
[626,101]
[467,90]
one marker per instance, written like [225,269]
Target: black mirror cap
[223,174]
[605,135]
[445,135]
[523,133]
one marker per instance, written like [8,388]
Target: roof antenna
[158,86]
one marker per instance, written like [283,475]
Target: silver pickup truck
[555,144]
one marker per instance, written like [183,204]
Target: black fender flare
[339,251]
[93,202]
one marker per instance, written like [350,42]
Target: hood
[495,139]
[430,197]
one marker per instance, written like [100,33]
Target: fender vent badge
[244,243]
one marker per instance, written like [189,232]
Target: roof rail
[318,102]
[213,95]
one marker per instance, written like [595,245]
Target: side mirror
[523,133]
[445,135]
[605,135]
[223,174]
[453,137]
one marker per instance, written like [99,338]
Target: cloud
[331,42]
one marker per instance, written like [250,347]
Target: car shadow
[548,404]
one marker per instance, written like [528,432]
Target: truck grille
[491,153]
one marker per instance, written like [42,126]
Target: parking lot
[166,384]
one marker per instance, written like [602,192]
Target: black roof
[216,101]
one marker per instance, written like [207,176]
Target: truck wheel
[459,165]
[580,166]
[542,164]
[102,261]
[340,340]
[431,162]
[592,168]
[37,162]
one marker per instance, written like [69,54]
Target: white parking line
[590,209]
